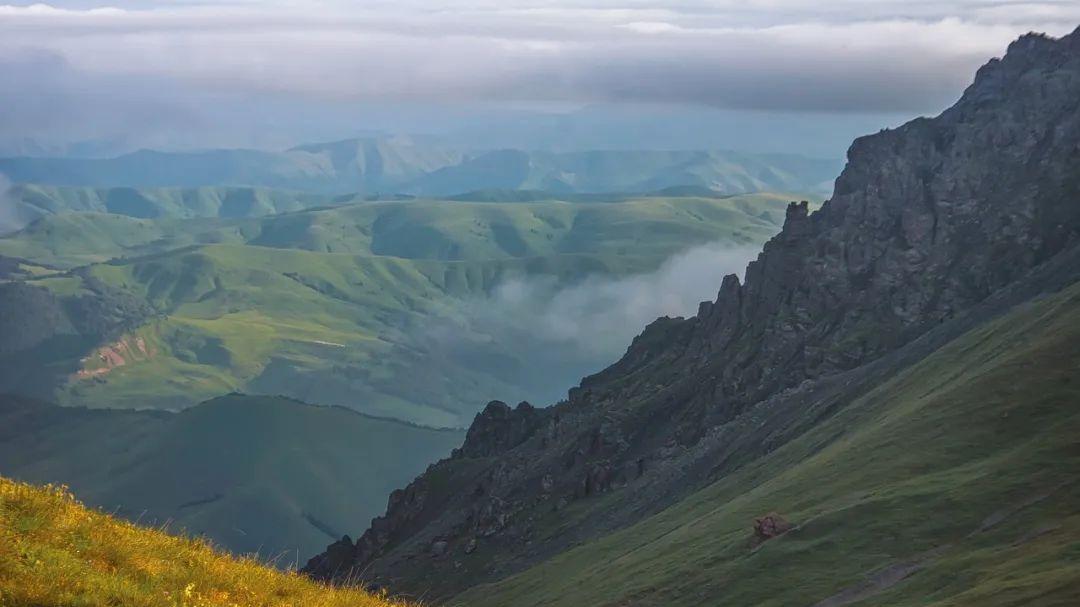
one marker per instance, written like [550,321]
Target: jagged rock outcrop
[931,225]
[498,429]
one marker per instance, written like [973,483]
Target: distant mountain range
[401,165]
[350,166]
[29,202]
[629,171]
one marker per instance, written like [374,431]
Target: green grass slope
[340,305]
[427,229]
[254,474]
[32,201]
[421,229]
[324,327]
[957,482]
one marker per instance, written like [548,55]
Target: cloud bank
[601,316]
[875,56]
[78,66]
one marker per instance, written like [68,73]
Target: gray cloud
[166,65]
[42,93]
[777,55]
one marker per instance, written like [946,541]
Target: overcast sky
[93,68]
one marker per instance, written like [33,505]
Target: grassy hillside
[422,229]
[32,201]
[340,305]
[255,474]
[323,327]
[652,229]
[55,551]
[954,483]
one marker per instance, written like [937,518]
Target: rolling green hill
[421,229]
[31,201]
[331,326]
[954,483]
[339,305]
[254,474]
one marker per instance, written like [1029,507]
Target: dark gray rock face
[498,429]
[933,226]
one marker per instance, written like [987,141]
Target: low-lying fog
[545,337]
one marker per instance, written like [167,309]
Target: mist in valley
[542,337]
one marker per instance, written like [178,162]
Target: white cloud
[652,27]
[600,317]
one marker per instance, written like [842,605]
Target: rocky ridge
[933,226]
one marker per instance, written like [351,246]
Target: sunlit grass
[55,551]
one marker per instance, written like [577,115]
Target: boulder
[769,526]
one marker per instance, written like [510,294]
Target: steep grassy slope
[55,551]
[340,305]
[255,474]
[954,483]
